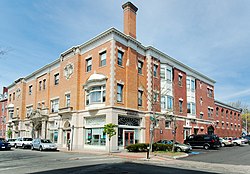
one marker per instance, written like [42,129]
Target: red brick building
[3,112]
[112,78]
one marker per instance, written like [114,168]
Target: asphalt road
[236,155]
[19,161]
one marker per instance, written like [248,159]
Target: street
[236,155]
[20,161]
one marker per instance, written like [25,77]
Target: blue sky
[212,37]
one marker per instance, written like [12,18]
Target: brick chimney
[129,12]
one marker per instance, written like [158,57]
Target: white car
[23,142]
[11,141]
[43,144]
[237,141]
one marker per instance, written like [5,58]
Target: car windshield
[27,139]
[46,141]
[2,140]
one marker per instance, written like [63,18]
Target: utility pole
[174,132]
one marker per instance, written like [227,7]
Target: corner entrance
[129,137]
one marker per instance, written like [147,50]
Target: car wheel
[23,146]
[15,146]
[178,149]
[41,148]
[223,145]
[206,146]
[235,144]
[32,148]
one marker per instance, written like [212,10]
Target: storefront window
[95,136]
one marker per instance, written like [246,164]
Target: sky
[210,36]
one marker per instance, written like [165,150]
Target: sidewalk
[129,155]
[167,161]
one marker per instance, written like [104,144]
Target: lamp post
[246,120]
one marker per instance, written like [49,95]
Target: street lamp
[246,120]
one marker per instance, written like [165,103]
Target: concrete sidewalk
[128,155]
[167,161]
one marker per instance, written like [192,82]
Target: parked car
[203,140]
[237,141]
[4,145]
[245,140]
[227,141]
[23,142]
[43,144]
[11,141]
[178,146]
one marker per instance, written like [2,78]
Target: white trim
[67,92]
[54,98]
[30,105]
[180,99]
[88,57]
[180,74]
[102,50]
[120,49]
[120,82]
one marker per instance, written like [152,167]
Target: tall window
[14,95]
[40,85]
[10,97]
[209,112]
[30,89]
[169,75]
[29,111]
[140,66]
[167,124]
[103,58]
[119,92]
[189,108]
[67,99]
[180,106]
[201,115]
[155,70]
[217,112]
[210,93]
[11,113]
[162,74]
[170,102]
[96,94]
[193,110]
[192,85]
[54,105]
[120,57]
[88,64]
[17,112]
[163,102]
[44,83]
[188,84]
[180,80]
[140,98]
[56,79]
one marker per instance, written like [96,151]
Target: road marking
[10,168]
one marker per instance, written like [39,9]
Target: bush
[162,147]
[142,147]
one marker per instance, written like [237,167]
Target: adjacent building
[113,78]
[3,112]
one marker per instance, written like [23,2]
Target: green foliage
[9,133]
[109,129]
[142,147]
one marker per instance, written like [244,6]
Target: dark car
[178,146]
[203,140]
[4,145]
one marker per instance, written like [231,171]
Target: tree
[109,129]
[9,133]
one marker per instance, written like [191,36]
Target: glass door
[129,138]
